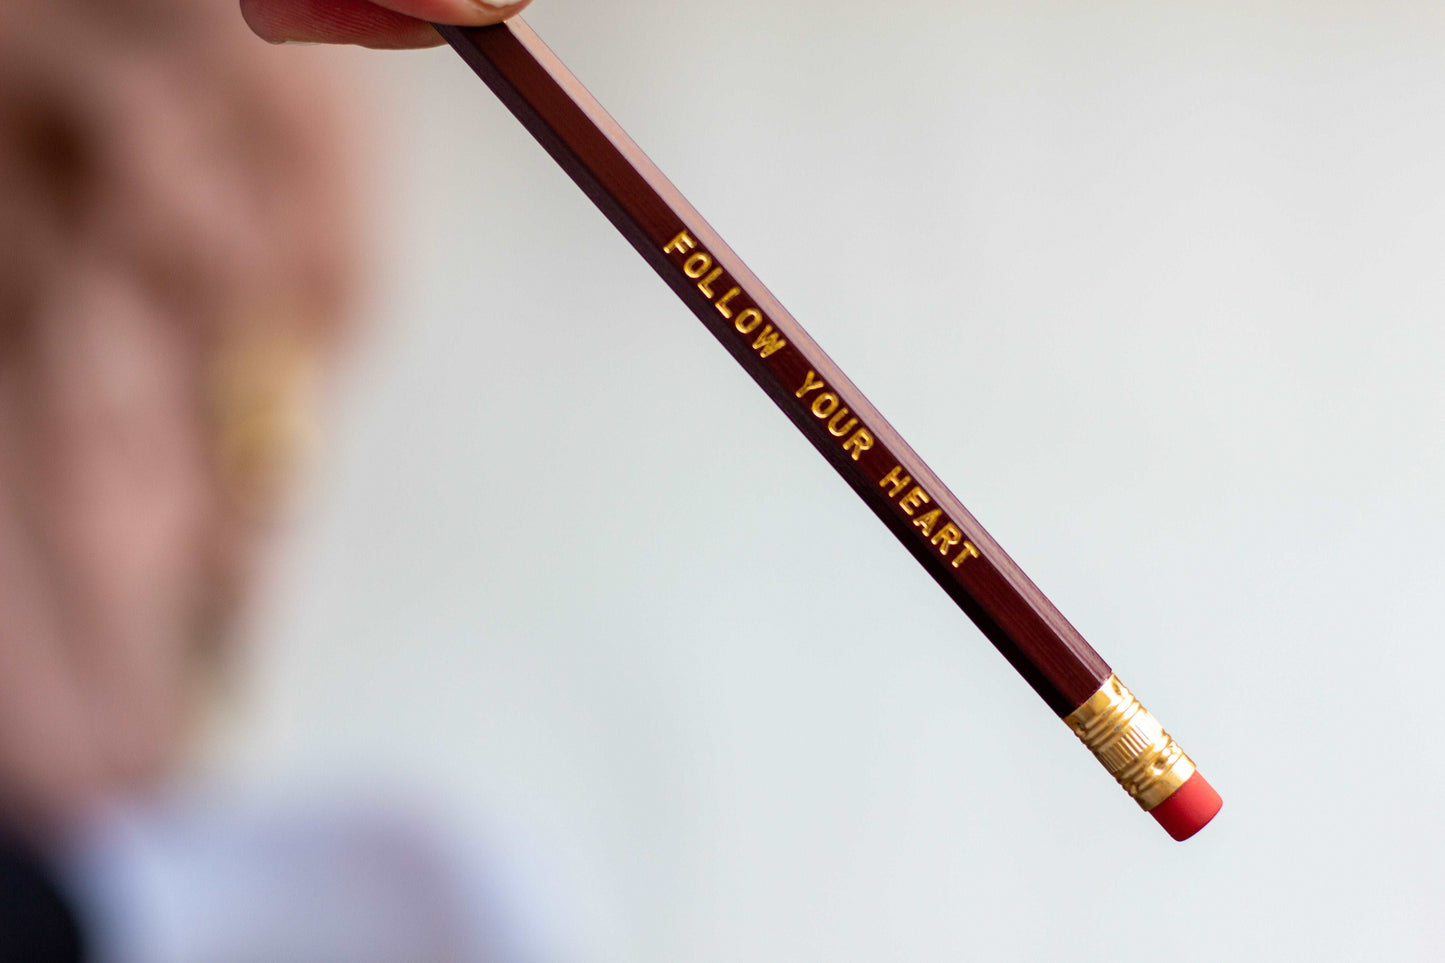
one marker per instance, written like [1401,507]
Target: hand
[385,23]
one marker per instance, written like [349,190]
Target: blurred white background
[1155,288]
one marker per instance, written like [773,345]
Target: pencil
[930,522]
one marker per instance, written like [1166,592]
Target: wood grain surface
[780,356]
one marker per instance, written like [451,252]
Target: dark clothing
[37,925]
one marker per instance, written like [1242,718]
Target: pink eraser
[1189,808]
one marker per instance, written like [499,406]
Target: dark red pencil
[845,428]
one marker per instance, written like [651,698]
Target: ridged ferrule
[1131,744]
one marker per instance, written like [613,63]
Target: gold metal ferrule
[1131,744]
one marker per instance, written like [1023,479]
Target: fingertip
[503,11]
[259,17]
[463,13]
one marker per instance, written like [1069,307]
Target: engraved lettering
[946,538]
[860,442]
[700,266]
[968,551]
[825,404]
[897,479]
[836,431]
[680,244]
[697,265]
[808,384]
[927,521]
[769,341]
[913,499]
[722,302]
[705,285]
[748,320]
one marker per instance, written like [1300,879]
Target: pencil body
[816,396]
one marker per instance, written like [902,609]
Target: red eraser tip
[1189,809]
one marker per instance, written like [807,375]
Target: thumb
[385,23]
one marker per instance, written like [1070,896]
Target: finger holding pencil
[385,24]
